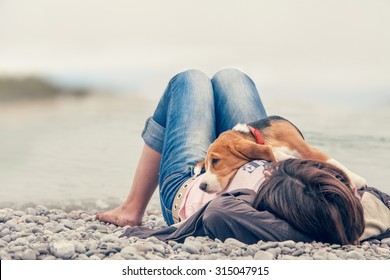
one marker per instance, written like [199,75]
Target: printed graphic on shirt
[252,166]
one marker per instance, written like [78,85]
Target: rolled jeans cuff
[153,135]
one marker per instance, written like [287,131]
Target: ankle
[133,208]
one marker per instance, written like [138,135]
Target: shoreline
[49,234]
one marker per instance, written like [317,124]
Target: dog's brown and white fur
[280,140]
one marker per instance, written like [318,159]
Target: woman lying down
[294,199]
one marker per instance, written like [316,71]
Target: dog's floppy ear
[250,150]
[198,167]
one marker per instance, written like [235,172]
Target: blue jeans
[193,111]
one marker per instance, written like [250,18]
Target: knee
[191,76]
[229,75]
[190,82]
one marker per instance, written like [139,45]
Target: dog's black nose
[203,186]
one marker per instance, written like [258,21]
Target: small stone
[4,232]
[142,248]
[79,247]
[49,258]
[5,256]
[354,255]
[268,245]
[95,257]
[235,242]
[19,213]
[288,243]
[382,251]
[285,250]
[70,225]
[74,214]
[297,253]
[192,247]
[82,257]
[320,255]
[62,249]
[31,211]
[263,255]
[150,256]
[11,224]
[386,241]
[102,228]
[159,248]
[41,210]
[109,238]
[29,255]
[7,238]
[128,252]
[58,229]
[3,218]
[21,242]
[91,252]
[36,230]
[3,244]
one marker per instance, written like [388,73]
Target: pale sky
[283,44]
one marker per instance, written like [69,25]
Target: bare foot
[120,216]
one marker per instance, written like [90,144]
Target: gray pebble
[4,232]
[19,213]
[109,238]
[159,248]
[31,211]
[7,238]
[29,255]
[62,249]
[91,253]
[192,247]
[49,258]
[82,257]
[386,241]
[263,255]
[128,252]
[95,257]
[320,255]
[41,210]
[288,243]
[5,256]
[354,255]
[150,256]
[3,244]
[298,252]
[142,248]
[268,245]
[382,251]
[3,218]
[235,242]
[20,242]
[79,247]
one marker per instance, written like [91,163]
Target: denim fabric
[192,112]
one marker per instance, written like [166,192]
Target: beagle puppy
[273,139]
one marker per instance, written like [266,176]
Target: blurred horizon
[134,47]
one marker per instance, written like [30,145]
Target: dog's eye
[214,161]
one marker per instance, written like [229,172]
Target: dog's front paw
[357,181]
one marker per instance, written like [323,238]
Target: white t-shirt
[249,176]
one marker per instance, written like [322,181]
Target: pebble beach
[40,233]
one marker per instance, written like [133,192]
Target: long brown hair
[314,197]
